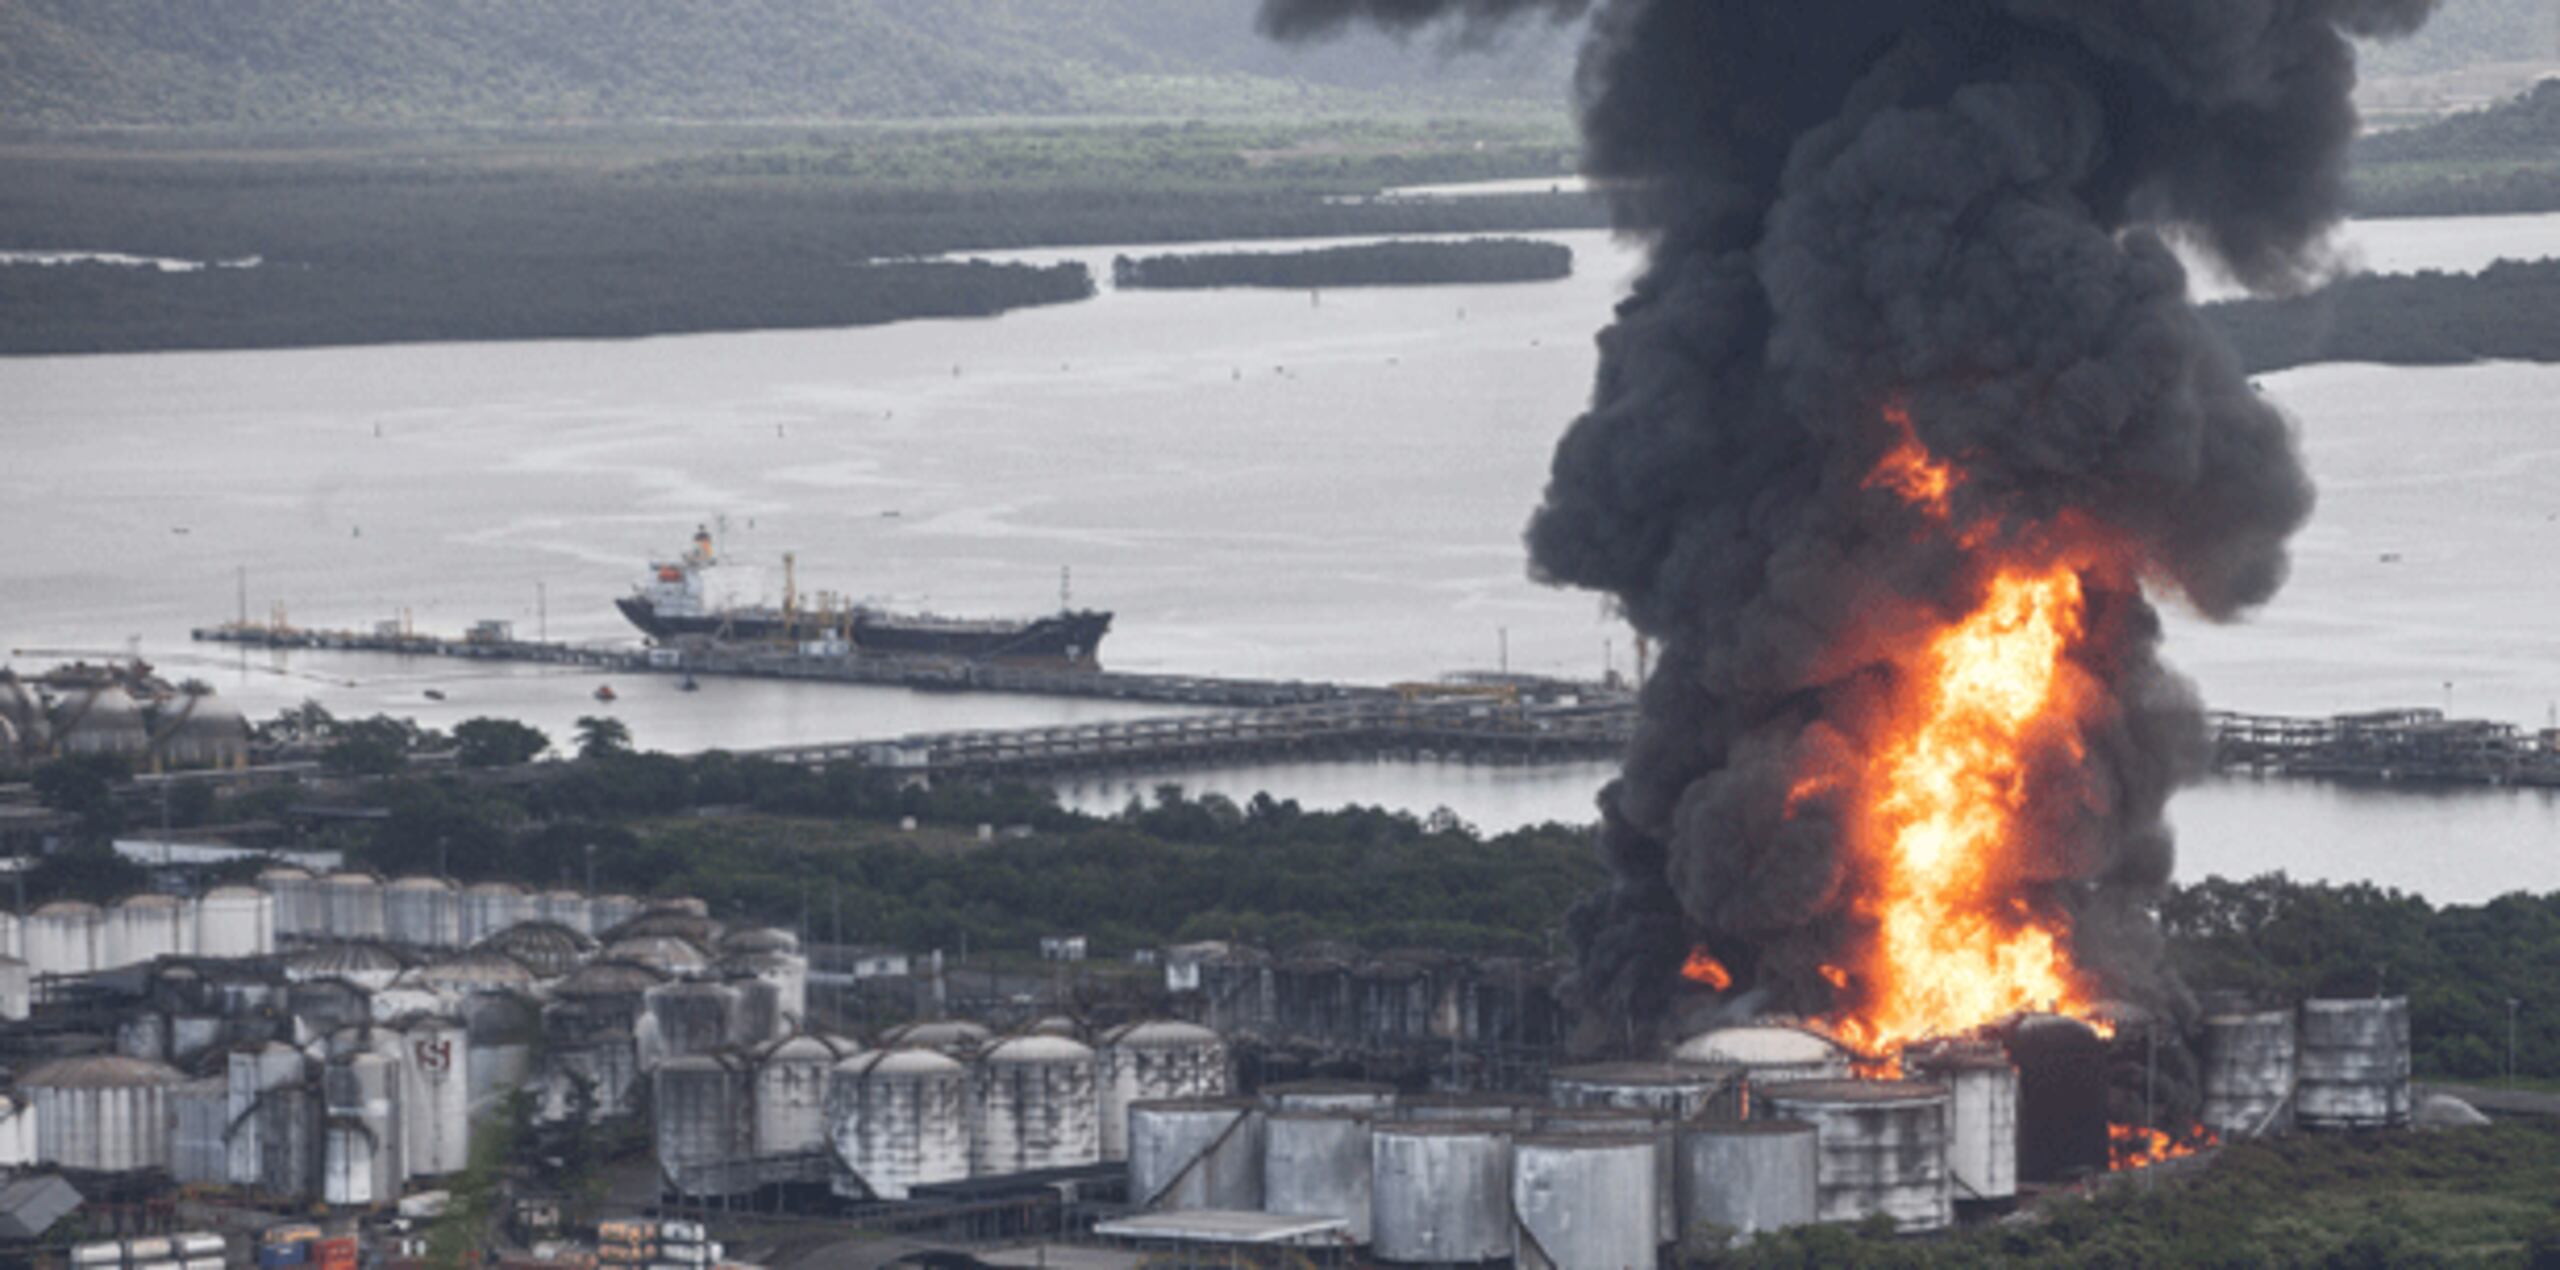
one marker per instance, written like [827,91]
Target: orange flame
[1987,707]
[1702,967]
[2133,1146]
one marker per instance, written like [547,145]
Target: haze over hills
[298,63]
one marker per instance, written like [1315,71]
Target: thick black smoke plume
[1957,206]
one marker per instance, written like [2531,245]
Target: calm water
[1256,482]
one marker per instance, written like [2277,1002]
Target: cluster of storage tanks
[303,1064]
[1745,1129]
[933,1102]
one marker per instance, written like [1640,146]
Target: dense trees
[2510,310]
[1365,265]
[489,742]
[2502,159]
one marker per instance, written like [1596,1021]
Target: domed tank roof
[1038,1049]
[345,960]
[235,892]
[802,1048]
[1759,1045]
[68,908]
[666,952]
[284,873]
[551,949]
[351,877]
[418,882]
[688,926]
[903,1062]
[698,1063]
[478,968]
[151,900]
[1160,1034]
[759,939]
[211,720]
[1055,1025]
[111,708]
[100,1071]
[937,1034]
[609,977]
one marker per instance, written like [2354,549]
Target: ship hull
[1068,639]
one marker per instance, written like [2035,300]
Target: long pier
[2417,746]
[1471,730]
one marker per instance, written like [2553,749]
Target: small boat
[435,694]
[604,692]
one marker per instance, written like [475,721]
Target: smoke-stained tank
[479,970]
[1624,1122]
[1748,1176]
[363,1162]
[502,1028]
[490,907]
[435,1095]
[422,912]
[565,908]
[691,1018]
[1982,1110]
[1882,1145]
[105,1112]
[199,1113]
[705,1121]
[235,921]
[63,938]
[144,928]
[899,1119]
[1193,1153]
[17,991]
[19,1141]
[1684,1090]
[1584,1202]
[1441,1194]
[2355,1064]
[958,1038]
[366,965]
[2062,1097]
[273,1139]
[1316,1164]
[791,1095]
[547,948]
[1155,1060]
[1033,1105]
[1365,1097]
[784,974]
[352,905]
[604,912]
[2248,1073]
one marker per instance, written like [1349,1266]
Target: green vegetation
[275,63]
[599,233]
[2510,310]
[486,742]
[2499,160]
[1369,264]
[2488,1196]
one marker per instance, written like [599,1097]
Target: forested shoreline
[1360,265]
[2507,312]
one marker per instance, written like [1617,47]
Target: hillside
[337,63]
[2503,159]
[2469,33]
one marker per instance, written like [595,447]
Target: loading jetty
[2415,746]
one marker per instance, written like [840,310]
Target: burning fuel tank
[2062,1097]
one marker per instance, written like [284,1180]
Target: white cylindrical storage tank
[147,927]
[1748,1176]
[2248,1073]
[13,935]
[1766,1054]
[363,1161]
[791,1095]
[352,903]
[490,907]
[1316,1164]
[1441,1194]
[2354,1064]
[549,949]
[704,1118]
[1882,1147]
[898,1119]
[1683,1090]
[1520,1110]
[786,973]
[17,991]
[435,1095]
[1191,1153]
[1982,1118]
[63,938]
[1630,1122]
[366,965]
[296,896]
[567,907]
[106,1112]
[1033,1105]
[604,912]
[1365,1097]
[199,1116]
[1155,1060]
[422,912]
[1584,1202]
[19,1141]
[235,921]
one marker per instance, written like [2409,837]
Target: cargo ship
[676,603]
